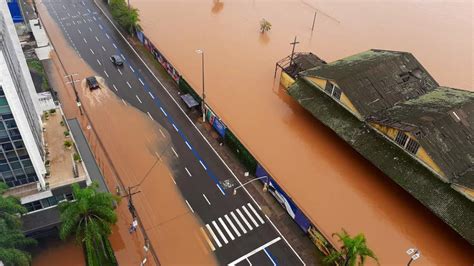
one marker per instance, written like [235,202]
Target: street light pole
[203,103]
[265,186]
[414,254]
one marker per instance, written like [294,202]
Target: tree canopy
[354,250]
[127,17]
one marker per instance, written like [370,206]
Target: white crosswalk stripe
[220,232]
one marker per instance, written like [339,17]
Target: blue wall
[15,11]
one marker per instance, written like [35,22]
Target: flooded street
[325,176]
[52,251]
[132,144]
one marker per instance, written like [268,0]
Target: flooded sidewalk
[331,182]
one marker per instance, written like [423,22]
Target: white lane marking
[250,216]
[124,102]
[247,259]
[131,68]
[163,111]
[119,71]
[163,134]
[222,191]
[113,85]
[243,218]
[175,153]
[88,10]
[151,95]
[99,62]
[122,56]
[151,117]
[92,51]
[197,130]
[103,48]
[226,228]
[175,184]
[97,38]
[189,146]
[256,213]
[115,46]
[128,84]
[175,128]
[90,29]
[255,251]
[141,81]
[232,225]
[189,205]
[74,22]
[238,222]
[203,166]
[84,40]
[138,99]
[270,257]
[64,7]
[105,72]
[207,239]
[187,171]
[208,202]
[94,18]
[106,35]
[220,232]
[100,26]
[78,30]
[213,235]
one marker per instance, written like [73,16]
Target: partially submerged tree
[265,25]
[90,218]
[13,242]
[354,250]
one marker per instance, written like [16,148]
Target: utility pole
[294,43]
[70,77]
[203,106]
[314,20]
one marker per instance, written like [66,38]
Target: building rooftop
[301,62]
[375,80]
[443,122]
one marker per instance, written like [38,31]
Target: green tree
[13,242]
[126,17]
[90,218]
[265,25]
[354,250]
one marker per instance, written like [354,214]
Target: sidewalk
[271,207]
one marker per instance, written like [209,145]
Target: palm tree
[354,250]
[12,241]
[127,17]
[90,217]
[265,25]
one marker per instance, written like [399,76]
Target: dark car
[116,60]
[92,83]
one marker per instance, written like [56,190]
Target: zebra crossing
[230,226]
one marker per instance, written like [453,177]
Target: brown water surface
[325,176]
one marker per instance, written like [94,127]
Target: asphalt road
[236,229]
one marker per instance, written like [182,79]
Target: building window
[401,138]
[328,87]
[412,146]
[33,206]
[336,93]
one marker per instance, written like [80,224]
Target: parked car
[92,83]
[116,60]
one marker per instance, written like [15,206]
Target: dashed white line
[124,102]
[163,134]
[213,235]
[92,51]
[187,171]
[220,232]
[151,95]
[97,38]
[115,46]
[90,29]
[95,19]
[189,205]
[202,164]
[113,85]
[226,228]
[100,26]
[123,57]
[105,72]
[103,48]
[175,184]
[175,128]
[74,22]
[187,144]
[138,99]
[130,86]
[163,111]
[141,81]
[119,71]
[84,40]
[88,10]
[208,202]
[99,62]
[106,35]
[175,153]
[151,117]
[131,68]
[79,31]
[238,222]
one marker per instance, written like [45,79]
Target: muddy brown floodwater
[331,182]
[131,141]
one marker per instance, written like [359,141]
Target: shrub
[77,157]
[67,144]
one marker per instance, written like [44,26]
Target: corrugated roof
[442,120]
[375,80]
